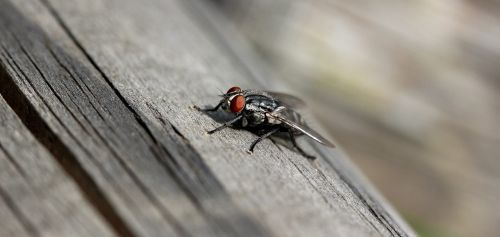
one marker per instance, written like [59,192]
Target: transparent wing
[285,99]
[289,100]
[302,128]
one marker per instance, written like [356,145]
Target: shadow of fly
[266,113]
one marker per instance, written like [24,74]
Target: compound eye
[237,104]
[233,89]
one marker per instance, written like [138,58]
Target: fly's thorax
[262,103]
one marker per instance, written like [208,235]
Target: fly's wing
[286,99]
[302,128]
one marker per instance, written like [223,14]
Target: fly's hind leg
[262,138]
[302,152]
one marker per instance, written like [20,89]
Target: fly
[266,113]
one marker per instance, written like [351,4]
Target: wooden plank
[114,83]
[36,197]
[189,45]
[84,122]
[11,225]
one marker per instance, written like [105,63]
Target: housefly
[266,113]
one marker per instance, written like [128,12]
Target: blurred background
[409,88]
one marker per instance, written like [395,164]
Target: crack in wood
[134,177]
[378,213]
[66,159]
[362,215]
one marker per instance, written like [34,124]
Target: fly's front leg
[210,109]
[226,124]
[262,138]
[294,142]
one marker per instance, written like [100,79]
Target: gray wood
[108,87]
[11,226]
[36,197]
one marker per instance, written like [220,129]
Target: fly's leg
[210,109]
[226,124]
[262,138]
[302,152]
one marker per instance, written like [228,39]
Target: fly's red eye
[233,89]
[237,104]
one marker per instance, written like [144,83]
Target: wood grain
[36,197]
[109,87]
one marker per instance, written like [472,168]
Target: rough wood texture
[108,87]
[36,197]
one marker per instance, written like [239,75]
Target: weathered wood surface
[36,196]
[107,86]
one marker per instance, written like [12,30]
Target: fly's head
[234,100]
